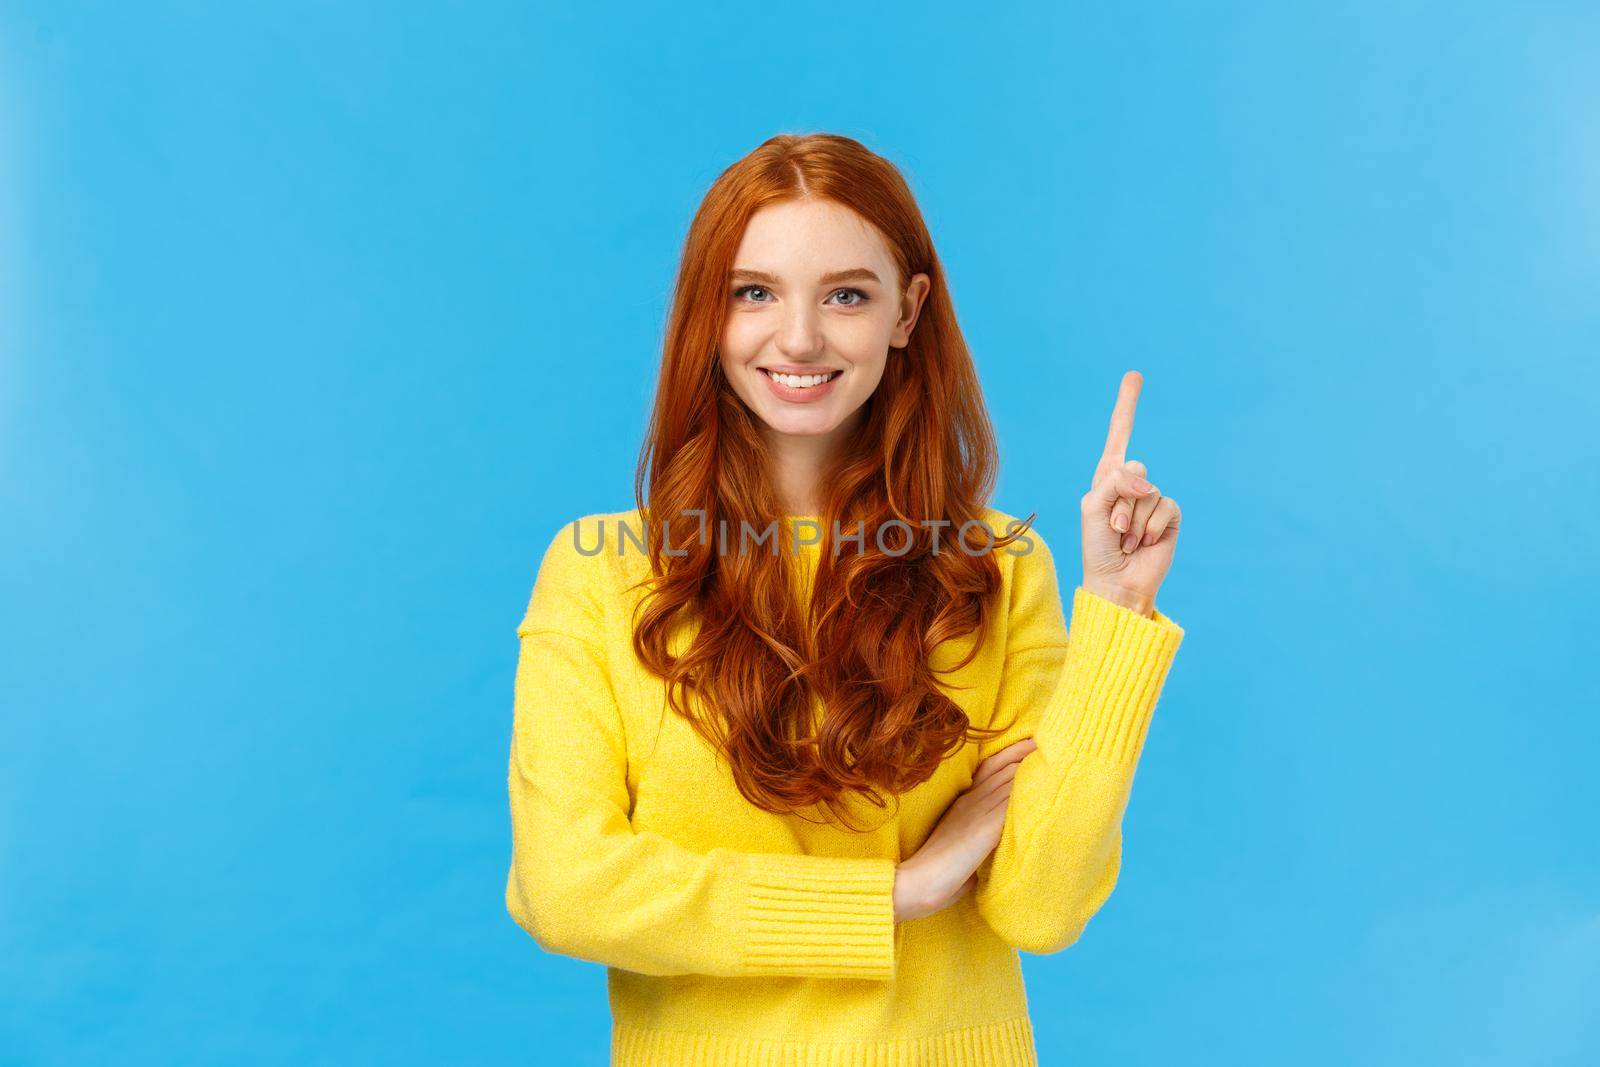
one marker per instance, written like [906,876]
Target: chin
[801,427]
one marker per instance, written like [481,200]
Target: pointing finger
[1116,451]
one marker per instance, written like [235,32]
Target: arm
[584,883]
[1086,699]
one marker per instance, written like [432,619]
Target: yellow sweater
[735,936]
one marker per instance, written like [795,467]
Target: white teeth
[799,381]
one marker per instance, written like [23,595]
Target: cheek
[741,341]
[864,344]
[735,352]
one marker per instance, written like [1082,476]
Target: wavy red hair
[758,660]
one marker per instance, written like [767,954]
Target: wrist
[1140,603]
[907,896]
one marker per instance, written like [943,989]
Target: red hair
[925,452]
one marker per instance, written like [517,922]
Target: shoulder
[593,536]
[591,548]
[1030,555]
[578,572]
[1035,614]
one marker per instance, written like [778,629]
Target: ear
[910,307]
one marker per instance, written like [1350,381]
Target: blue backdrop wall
[317,321]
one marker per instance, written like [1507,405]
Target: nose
[800,335]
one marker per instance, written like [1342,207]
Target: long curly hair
[760,661]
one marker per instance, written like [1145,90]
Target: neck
[797,462]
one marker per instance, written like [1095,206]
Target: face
[814,308]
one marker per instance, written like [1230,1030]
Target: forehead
[809,238]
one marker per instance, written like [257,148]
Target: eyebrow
[851,275]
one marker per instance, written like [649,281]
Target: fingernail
[1141,485]
[1121,523]
[1129,542]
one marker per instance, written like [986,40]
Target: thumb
[1121,482]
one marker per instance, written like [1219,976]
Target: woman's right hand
[946,865]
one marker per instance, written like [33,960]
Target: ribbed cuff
[1117,661]
[822,916]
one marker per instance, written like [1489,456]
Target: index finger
[1122,420]
[1010,754]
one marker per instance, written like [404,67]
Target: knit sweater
[735,936]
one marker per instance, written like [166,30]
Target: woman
[802,751]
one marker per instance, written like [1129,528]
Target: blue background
[318,320]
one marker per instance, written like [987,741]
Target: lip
[800,396]
[798,368]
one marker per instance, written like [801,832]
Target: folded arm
[1086,699]
[584,883]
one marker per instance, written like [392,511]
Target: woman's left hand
[1129,528]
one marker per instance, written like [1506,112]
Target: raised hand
[1129,528]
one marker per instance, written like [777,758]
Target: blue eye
[860,297]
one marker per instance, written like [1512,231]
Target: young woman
[802,750]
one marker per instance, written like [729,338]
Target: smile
[800,388]
[802,381]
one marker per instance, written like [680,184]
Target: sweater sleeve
[584,883]
[1086,699]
